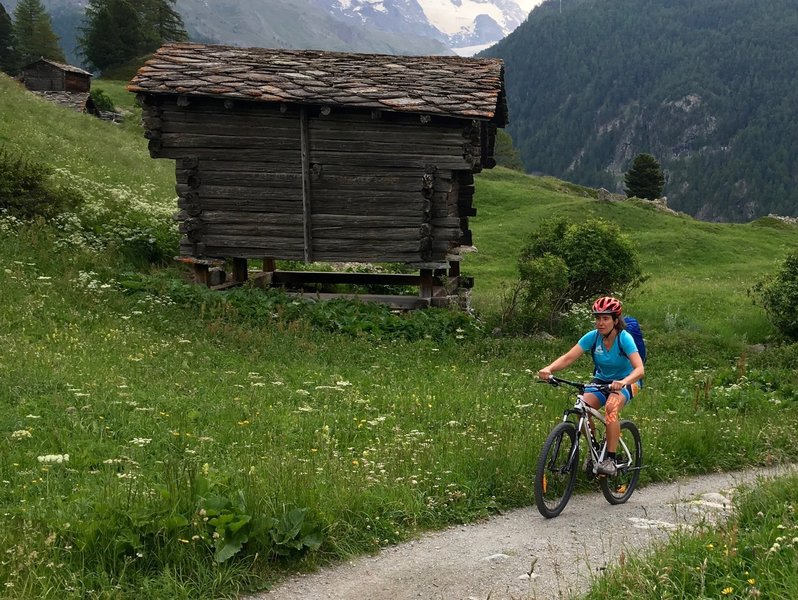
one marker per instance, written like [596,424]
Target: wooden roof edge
[62,66]
[499,117]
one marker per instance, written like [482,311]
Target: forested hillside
[707,87]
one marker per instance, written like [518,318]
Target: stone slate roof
[438,85]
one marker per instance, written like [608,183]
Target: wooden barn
[46,75]
[323,157]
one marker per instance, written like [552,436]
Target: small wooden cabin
[46,75]
[323,156]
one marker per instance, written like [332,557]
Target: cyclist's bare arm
[561,363]
[636,375]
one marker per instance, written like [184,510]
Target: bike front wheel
[629,459]
[555,474]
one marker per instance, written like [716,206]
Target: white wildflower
[53,458]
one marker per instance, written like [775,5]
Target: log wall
[266,180]
[44,77]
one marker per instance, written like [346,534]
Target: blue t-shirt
[612,364]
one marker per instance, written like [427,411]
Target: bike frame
[583,412]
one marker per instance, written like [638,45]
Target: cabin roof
[451,86]
[62,66]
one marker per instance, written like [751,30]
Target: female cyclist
[617,364]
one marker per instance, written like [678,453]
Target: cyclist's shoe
[607,467]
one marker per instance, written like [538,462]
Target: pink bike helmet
[607,305]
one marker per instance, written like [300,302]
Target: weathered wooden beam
[240,272]
[306,189]
[243,193]
[427,284]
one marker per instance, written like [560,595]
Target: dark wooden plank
[377,235]
[354,247]
[228,154]
[408,147]
[260,230]
[194,140]
[417,160]
[286,131]
[279,252]
[360,221]
[322,194]
[363,256]
[244,179]
[244,193]
[269,205]
[307,192]
[255,218]
[248,166]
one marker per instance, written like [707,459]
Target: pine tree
[163,22]
[117,31]
[112,33]
[9,60]
[34,35]
[645,179]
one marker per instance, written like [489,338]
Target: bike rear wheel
[629,459]
[555,474]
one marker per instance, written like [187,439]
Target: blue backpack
[633,327]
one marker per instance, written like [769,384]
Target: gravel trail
[492,559]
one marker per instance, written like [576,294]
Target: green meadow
[158,440]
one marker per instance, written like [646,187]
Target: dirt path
[492,560]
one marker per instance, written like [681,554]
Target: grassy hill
[159,442]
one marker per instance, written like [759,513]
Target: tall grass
[753,555]
[157,443]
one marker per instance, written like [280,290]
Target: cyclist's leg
[594,399]
[612,413]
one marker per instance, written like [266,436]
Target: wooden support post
[201,273]
[304,135]
[240,273]
[425,289]
[267,277]
[454,269]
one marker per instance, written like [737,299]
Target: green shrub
[565,263]
[102,100]
[27,189]
[779,297]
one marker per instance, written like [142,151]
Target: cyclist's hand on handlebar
[544,374]
[616,386]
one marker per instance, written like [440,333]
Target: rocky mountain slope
[706,87]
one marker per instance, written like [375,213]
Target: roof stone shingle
[444,85]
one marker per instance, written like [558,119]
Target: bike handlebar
[556,381]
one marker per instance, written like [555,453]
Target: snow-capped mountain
[383,26]
[466,26]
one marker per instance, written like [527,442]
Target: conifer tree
[117,31]
[34,35]
[8,55]
[645,179]
[112,33]
[162,22]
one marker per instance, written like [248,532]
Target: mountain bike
[558,463]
